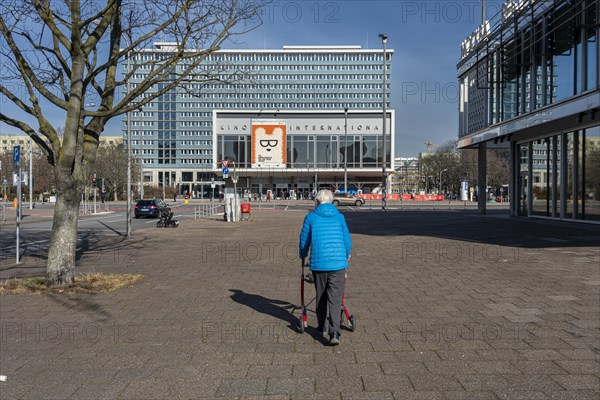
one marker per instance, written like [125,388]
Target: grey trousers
[329,286]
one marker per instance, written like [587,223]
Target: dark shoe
[309,278]
[335,339]
[320,331]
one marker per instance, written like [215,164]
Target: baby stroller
[345,314]
[165,220]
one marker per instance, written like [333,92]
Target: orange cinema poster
[268,144]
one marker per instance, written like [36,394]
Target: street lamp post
[141,158]
[128,149]
[346,149]
[440,187]
[384,38]
[30,173]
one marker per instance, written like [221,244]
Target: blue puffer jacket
[326,234]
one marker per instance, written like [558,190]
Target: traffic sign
[225,171]
[225,163]
[16,154]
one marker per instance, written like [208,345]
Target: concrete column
[563,175]
[555,173]
[575,176]
[513,187]
[530,178]
[482,178]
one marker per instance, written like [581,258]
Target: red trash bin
[246,209]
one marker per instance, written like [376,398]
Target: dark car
[347,199]
[150,208]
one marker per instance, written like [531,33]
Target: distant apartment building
[7,142]
[324,104]
[529,79]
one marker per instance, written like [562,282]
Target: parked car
[150,208]
[347,199]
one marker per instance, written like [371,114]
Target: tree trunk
[63,242]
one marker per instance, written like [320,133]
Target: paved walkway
[450,305]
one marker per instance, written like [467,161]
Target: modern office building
[529,79]
[184,134]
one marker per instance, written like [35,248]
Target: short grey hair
[324,196]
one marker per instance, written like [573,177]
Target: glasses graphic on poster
[268,144]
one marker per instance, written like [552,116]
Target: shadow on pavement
[494,228]
[282,310]
[81,303]
[94,250]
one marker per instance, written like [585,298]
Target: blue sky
[424,34]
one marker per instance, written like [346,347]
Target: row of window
[139,123]
[195,114]
[152,152]
[282,86]
[180,142]
[195,133]
[308,151]
[195,161]
[196,152]
[195,123]
[294,57]
[282,106]
[288,67]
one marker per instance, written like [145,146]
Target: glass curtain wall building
[293,152]
[529,80]
[174,138]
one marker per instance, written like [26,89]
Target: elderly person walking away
[326,234]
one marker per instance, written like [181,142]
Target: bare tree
[64,56]
[498,168]
[443,167]
[111,167]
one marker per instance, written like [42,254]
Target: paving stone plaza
[449,305]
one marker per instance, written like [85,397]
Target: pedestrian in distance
[175,197]
[269,197]
[325,233]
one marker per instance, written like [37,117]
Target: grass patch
[91,283]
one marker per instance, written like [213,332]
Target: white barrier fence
[208,210]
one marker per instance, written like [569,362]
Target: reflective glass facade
[318,146]
[543,54]
[578,154]
[529,79]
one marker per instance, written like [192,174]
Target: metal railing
[208,210]
[87,208]
[423,205]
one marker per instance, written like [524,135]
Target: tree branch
[46,14]
[29,131]
[25,69]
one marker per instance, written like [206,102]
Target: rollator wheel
[301,324]
[352,323]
